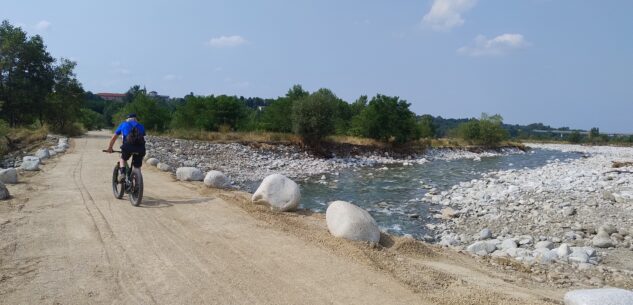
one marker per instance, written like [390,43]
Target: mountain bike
[132,184]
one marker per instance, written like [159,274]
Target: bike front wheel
[136,187]
[117,187]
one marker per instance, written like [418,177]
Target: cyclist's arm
[112,141]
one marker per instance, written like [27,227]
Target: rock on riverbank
[580,205]
[253,162]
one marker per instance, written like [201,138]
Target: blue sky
[560,62]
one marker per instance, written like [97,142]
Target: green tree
[487,131]
[575,137]
[64,103]
[426,126]
[276,116]
[91,120]
[387,119]
[26,75]
[314,116]
[150,113]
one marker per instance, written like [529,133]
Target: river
[393,193]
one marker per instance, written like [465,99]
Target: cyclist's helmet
[131,115]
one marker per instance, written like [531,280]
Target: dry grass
[22,138]
[292,139]
[252,137]
[355,141]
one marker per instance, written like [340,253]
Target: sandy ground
[64,239]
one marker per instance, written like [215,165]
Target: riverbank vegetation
[39,92]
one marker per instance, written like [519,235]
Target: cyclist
[133,143]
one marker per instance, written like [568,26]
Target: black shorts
[136,152]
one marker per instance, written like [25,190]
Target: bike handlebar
[114,151]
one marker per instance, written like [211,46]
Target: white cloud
[43,25]
[227,41]
[447,14]
[496,46]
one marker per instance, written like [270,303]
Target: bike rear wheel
[117,187]
[136,187]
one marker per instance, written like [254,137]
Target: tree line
[37,89]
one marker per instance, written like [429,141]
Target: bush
[150,113]
[91,120]
[387,119]
[314,116]
[575,137]
[487,131]
[210,113]
[426,127]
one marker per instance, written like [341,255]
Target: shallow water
[392,193]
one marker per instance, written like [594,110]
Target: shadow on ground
[150,202]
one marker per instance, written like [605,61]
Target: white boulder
[189,174]
[216,179]
[4,192]
[602,240]
[152,161]
[30,163]
[482,248]
[603,296]
[42,153]
[62,143]
[508,244]
[351,222]
[563,251]
[9,176]
[279,192]
[163,167]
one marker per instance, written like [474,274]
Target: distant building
[155,95]
[111,96]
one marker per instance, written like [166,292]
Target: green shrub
[487,131]
[387,119]
[150,113]
[314,116]
[92,120]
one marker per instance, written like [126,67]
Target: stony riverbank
[243,163]
[572,221]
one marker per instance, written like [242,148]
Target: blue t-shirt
[126,127]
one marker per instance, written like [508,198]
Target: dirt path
[64,239]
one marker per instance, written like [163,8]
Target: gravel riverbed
[569,223]
[572,221]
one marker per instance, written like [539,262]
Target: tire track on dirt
[116,256]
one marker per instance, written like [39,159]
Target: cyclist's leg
[125,155]
[137,158]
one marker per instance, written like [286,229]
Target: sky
[559,62]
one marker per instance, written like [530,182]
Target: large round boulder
[152,161]
[30,163]
[603,296]
[42,153]
[189,174]
[4,192]
[279,192]
[9,176]
[216,179]
[163,167]
[351,222]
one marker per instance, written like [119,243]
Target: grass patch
[292,139]
[227,137]
[22,139]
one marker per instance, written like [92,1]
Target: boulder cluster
[32,162]
[569,213]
